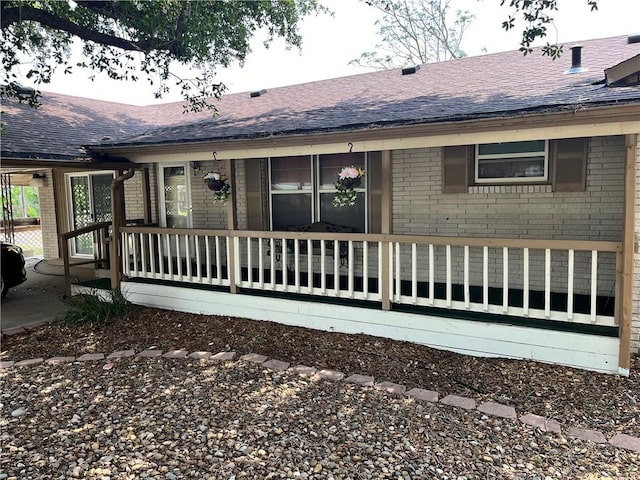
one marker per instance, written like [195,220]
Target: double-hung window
[512,162]
[302,189]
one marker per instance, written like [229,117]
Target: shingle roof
[61,124]
[501,84]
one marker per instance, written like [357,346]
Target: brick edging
[619,440]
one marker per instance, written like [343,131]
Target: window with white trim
[512,162]
[302,188]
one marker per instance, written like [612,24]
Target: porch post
[628,232]
[146,195]
[232,224]
[386,227]
[117,220]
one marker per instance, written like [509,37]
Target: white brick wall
[48,218]
[419,206]
[133,195]
[205,212]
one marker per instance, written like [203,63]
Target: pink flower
[349,172]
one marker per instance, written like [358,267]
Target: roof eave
[445,120]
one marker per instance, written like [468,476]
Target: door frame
[161,198]
[69,206]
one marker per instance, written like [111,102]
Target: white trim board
[590,352]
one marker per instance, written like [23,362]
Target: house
[496,216]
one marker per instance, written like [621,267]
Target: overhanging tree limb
[27,13]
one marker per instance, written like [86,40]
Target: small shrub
[91,309]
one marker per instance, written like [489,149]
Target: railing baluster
[570,281]
[323,273]
[365,268]
[466,277]
[169,255]
[249,263]
[218,260]
[310,264]
[235,263]
[432,275]
[136,271]
[296,260]
[547,282]
[505,279]
[196,245]
[285,272]
[398,290]
[525,282]
[125,253]
[380,269]
[448,266]
[414,273]
[485,278]
[207,247]
[143,257]
[187,256]
[260,263]
[392,269]
[350,268]
[594,284]
[178,256]
[336,267]
[152,255]
[272,272]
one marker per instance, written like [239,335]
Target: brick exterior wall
[133,194]
[420,207]
[205,212]
[241,196]
[48,218]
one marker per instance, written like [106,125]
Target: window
[302,189]
[512,162]
[561,163]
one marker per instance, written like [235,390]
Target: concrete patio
[42,297]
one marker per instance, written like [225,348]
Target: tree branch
[25,13]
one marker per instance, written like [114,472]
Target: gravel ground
[173,419]
[608,403]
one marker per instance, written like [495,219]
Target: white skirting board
[590,352]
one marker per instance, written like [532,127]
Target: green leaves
[127,39]
[537,14]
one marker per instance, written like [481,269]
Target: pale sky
[329,43]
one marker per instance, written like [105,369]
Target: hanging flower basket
[349,179]
[218,184]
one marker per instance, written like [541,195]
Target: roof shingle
[501,84]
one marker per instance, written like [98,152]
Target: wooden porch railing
[100,232]
[557,280]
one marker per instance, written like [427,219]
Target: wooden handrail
[64,238]
[578,245]
[81,231]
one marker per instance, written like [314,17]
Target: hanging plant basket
[218,184]
[349,179]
